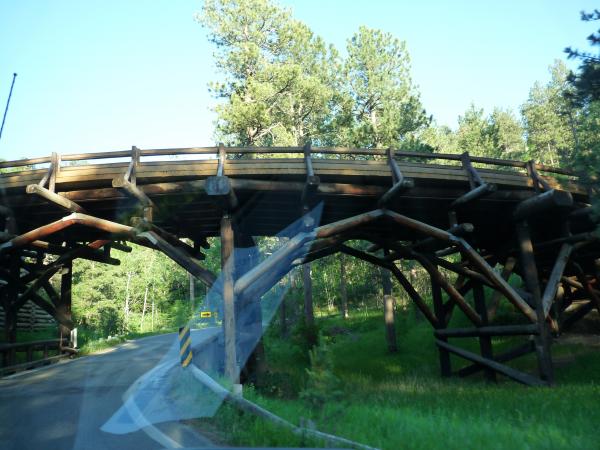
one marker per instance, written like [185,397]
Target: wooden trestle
[469,227]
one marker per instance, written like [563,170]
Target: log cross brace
[312,181]
[400,184]
[128,184]
[479,188]
[539,184]
[49,193]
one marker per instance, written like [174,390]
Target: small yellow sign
[204,314]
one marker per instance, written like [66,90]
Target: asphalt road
[64,406]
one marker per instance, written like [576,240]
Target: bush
[322,385]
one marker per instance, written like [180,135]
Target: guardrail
[9,353]
[217,150]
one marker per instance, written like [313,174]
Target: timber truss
[547,237]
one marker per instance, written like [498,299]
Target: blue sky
[106,75]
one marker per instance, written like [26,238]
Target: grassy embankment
[395,401]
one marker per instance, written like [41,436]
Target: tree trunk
[127,302]
[192,292]
[144,309]
[152,315]
[309,316]
[283,319]
[343,291]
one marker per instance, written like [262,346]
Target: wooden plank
[514,374]
[496,330]
[506,356]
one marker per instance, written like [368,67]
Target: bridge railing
[315,152]
[32,350]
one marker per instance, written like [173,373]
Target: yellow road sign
[204,314]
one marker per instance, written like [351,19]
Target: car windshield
[299,224]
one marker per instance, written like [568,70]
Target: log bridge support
[547,238]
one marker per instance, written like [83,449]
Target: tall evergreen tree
[279,78]
[473,133]
[550,119]
[385,104]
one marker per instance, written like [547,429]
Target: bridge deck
[270,190]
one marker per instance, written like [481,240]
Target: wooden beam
[473,195]
[474,178]
[221,190]
[397,189]
[65,222]
[530,275]
[555,276]
[502,285]
[228,274]
[415,297]
[496,330]
[507,270]
[180,257]
[388,310]
[549,200]
[260,277]
[55,198]
[64,305]
[485,341]
[348,224]
[133,190]
[514,374]
[452,292]
[438,306]
[506,356]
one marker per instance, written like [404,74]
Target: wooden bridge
[469,221]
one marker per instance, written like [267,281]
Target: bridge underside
[469,227]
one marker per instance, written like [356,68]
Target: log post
[440,313]
[64,305]
[530,275]
[485,342]
[227,267]
[248,314]
[388,310]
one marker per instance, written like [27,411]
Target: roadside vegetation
[398,400]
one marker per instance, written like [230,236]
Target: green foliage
[109,300]
[587,81]
[386,107]
[549,118]
[283,85]
[280,79]
[585,95]
[399,401]
[322,384]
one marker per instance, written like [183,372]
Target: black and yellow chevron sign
[185,345]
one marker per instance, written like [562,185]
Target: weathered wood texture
[420,206]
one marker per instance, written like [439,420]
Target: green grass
[398,400]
